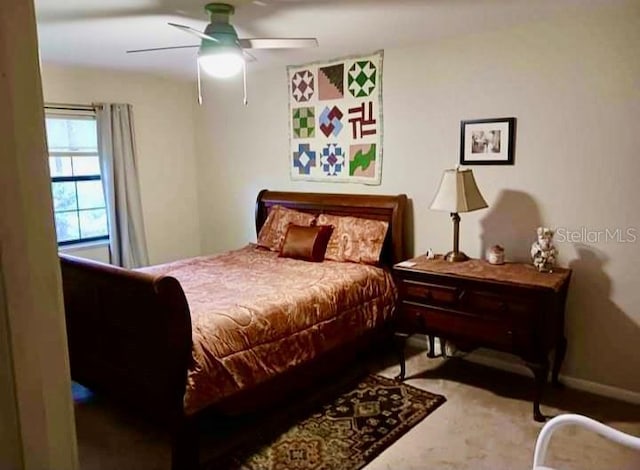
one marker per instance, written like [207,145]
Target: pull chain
[199,85]
[244,81]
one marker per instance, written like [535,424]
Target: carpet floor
[485,423]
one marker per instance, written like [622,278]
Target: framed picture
[487,141]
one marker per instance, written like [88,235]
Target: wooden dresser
[511,308]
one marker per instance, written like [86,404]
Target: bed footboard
[129,335]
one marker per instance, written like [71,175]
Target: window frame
[78,114]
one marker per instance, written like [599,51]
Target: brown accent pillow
[354,239]
[273,230]
[306,243]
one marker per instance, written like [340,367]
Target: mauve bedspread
[255,315]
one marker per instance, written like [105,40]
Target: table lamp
[458,192]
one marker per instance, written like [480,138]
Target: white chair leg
[548,429]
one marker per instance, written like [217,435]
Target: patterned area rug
[344,434]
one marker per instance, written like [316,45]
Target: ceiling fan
[221,53]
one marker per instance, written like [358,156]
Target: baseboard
[579,384]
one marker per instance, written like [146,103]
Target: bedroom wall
[572,83]
[164,121]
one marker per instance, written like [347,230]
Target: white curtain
[116,144]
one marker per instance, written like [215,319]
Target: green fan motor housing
[219,27]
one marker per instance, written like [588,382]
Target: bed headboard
[388,208]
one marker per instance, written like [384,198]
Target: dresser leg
[541,373]
[561,349]
[399,340]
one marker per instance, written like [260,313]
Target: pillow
[306,243]
[354,239]
[275,227]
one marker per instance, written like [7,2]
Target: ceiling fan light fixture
[221,53]
[223,63]
[223,57]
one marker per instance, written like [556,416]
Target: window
[78,198]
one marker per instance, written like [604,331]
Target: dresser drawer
[454,324]
[428,293]
[519,310]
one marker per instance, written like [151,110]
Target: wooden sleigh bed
[130,332]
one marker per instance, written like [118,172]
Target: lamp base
[455,256]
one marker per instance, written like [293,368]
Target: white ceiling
[96,33]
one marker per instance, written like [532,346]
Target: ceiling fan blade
[195,32]
[277,43]
[249,57]
[160,49]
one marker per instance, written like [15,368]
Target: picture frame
[487,141]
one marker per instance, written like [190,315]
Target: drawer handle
[461,295]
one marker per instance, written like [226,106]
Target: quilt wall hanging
[335,120]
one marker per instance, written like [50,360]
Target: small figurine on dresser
[543,253]
[495,255]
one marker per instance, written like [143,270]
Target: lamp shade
[458,192]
